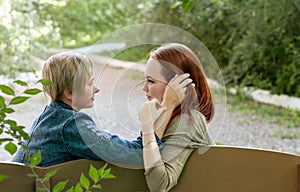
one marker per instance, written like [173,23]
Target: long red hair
[178,59]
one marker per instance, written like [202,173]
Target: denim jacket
[62,134]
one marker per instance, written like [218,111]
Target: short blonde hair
[68,70]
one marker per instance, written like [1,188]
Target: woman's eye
[150,81]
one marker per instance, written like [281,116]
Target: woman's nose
[145,87]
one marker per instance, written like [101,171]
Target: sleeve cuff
[160,143]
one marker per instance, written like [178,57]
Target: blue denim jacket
[62,134]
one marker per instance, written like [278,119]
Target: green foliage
[11,148]
[138,53]
[2,177]
[186,5]
[86,183]
[84,22]
[256,43]
[8,99]
[21,36]
[33,91]
[7,90]
[46,82]
[31,27]
[266,54]
[290,136]
[219,143]
[18,99]
[290,118]
[36,159]
[60,186]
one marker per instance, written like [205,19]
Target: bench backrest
[218,168]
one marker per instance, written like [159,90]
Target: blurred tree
[84,22]
[22,35]
[256,43]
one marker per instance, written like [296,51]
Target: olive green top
[180,140]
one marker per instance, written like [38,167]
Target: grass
[290,135]
[289,118]
[136,75]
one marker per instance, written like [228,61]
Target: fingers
[181,81]
[153,104]
[148,114]
[186,82]
[179,78]
[181,93]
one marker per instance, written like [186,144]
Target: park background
[255,43]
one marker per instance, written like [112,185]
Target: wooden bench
[218,168]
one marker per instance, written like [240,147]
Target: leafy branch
[9,126]
[85,184]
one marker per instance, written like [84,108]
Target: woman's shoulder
[185,118]
[189,134]
[198,116]
[183,123]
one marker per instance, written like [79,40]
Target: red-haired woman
[187,128]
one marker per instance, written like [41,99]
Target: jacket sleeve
[84,139]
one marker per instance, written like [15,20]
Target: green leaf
[7,90]
[11,148]
[2,103]
[41,189]
[101,170]
[84,181]
[31,175]
[32,91]
[18,100]
[46,82]
[22,83]
[175,5]
[36,158]
[49,175]
[2,177]
[78,188]
[10,122]
[71,189]
[60,186]
[8,110]
[93,173]
[34,72]
[187,6]
[107,174]
[2,140]
[98,186]
[24,135]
